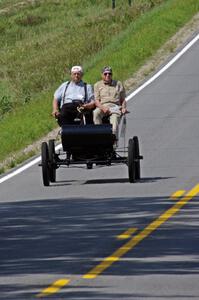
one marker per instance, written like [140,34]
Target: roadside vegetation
[41,40]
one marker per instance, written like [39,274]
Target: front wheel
[131,161]
[52,166]
[44,163]
[137,158]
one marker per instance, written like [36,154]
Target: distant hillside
[41,40]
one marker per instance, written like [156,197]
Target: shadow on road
[70,236]
[107,181]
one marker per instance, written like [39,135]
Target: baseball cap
[107,69]
[77,69]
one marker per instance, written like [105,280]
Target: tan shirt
[109,93]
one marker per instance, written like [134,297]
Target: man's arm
[55,111]
[57,99]
[98,101]
[101,106]
[123,106]
[122,99]
[90,103]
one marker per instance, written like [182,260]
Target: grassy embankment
[43,40]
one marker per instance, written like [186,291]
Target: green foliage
[2,170]
[5,105]
[30,20]
[45,38]
[41,40]
[29,122]
[6,99]
[130,49]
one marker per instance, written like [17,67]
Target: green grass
[42,41]
[143,38]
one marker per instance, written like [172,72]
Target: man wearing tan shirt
[109,100]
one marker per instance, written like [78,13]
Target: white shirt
[74,91]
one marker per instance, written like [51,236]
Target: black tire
[131,160]
[52,164]
[45,163]
[137,156]
[89,165]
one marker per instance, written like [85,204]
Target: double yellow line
[136,239]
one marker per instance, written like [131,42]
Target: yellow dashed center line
[108,261]
[54,287]
[127,234]
[116,255]
[177,194]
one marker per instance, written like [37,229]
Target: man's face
[76,76]
[107,77]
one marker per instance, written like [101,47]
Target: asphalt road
[69,240]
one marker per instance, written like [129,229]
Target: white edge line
[170,63]
[25,167]
[129,97]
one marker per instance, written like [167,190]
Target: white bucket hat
[77,69]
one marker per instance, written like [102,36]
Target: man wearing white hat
[73,94]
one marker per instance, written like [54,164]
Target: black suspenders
[65,90]
[85,92]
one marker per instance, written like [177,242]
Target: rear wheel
[89,165]
[131,160]
[45,163]
[137,158]
[52,166]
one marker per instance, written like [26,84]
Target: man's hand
[55,114]
[81,108]
[124,110]
[90,105]
[105,110]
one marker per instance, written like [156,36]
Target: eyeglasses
[105,74]
[76,73]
